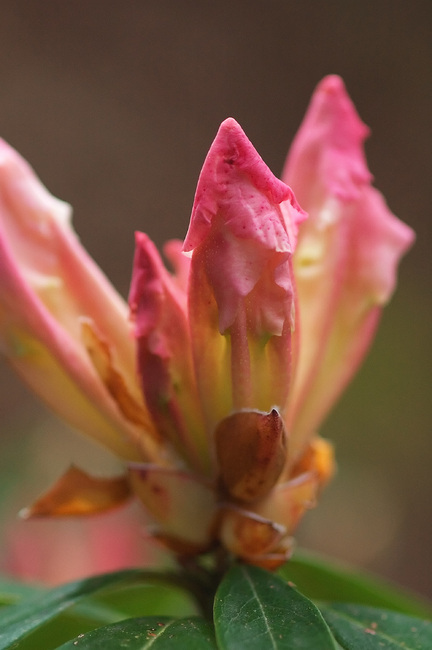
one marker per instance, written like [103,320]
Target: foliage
[311,605]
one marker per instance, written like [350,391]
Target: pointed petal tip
[143,249]
[332,84]
[236,149]
[332,101]
[230,124]
[145,264]
[329,142]
[230,142]
[140,237]
[232,162]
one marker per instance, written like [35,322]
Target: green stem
[200,577]
[203,581]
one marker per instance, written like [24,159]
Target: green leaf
[16,622]
[12,592]
[45,622]
[59,629]
[255,609]
[133,600]
[357,627]
[322,579]
[159,633]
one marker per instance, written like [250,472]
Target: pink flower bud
[241,299]
[239,355]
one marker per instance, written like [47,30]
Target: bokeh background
[115,105]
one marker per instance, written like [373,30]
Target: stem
[198,576]
[203,581]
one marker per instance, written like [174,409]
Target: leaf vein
[255,594]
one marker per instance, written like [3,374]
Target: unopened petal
[236,178]
[241,296]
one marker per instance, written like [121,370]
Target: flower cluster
[212,384]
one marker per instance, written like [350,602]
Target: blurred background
[115,105]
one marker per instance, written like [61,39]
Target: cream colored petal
[183,507]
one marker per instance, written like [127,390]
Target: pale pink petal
[346,258]
[173,251]
[48,284]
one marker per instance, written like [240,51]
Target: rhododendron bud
[241,296]
[236,357]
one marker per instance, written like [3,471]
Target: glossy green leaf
[59,629]
[133,600]
[323,579]
[17,621]
[255,609]
[12,592]
[158,633]
[357,627]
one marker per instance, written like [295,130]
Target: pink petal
[346,259]
[164,355]
[48,284]
[173,250]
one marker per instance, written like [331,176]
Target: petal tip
[332,84]
[231,163]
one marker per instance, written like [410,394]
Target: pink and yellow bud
[216,399]
[241,286]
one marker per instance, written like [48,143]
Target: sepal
[78,493]
[251,453]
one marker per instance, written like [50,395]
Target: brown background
[115,105]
